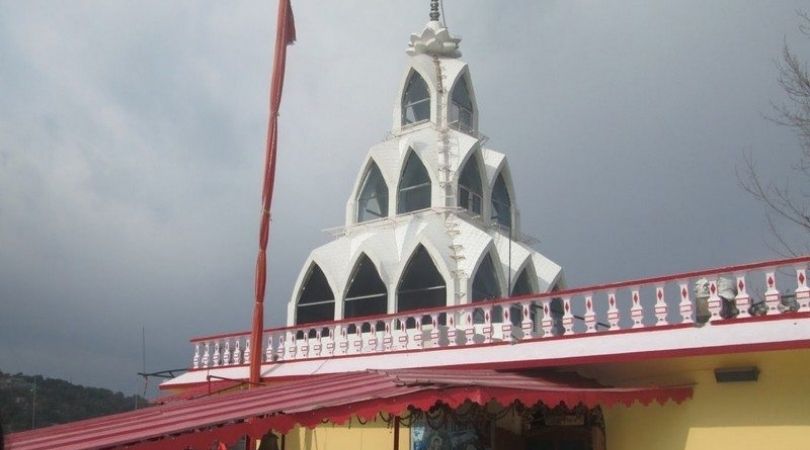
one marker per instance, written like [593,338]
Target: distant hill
[57,401]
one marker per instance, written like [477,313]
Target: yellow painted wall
[772,413]
[374,435]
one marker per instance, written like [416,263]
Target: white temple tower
[432,219]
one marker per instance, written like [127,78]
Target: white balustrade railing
[693,299]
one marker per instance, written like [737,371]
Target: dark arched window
[486,287]
[415,100]
[557,311]
[316,302]
[501,203]
[485,283]
[367,294]
[414,186]
[461,107]
[523,285]
[421,285]
[372,202]
[470,192]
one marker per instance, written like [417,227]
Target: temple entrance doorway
[563,428]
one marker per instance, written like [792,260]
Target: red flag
[285,35]
[289,29]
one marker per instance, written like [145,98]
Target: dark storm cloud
[131,146]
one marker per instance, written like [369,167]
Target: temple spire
[434,10]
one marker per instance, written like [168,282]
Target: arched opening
[470,192]
[316,302]
[557,311]
[461,107]
[421,285]
[501,203]
[523,286]
[485,287]
[485,283]
[414,186]
[372,203]
[415,100]
[367,294]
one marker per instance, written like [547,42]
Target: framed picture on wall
[448,436]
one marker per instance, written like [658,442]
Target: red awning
[334,398]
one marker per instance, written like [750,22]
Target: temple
[432,220]
[430,322]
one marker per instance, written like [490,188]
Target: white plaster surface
[576,350]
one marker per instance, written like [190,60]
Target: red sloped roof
[201,390]
[335,398]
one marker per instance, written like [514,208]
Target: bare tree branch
[783,200]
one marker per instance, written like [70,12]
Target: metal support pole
[34,405]
[509,274]
[396,433]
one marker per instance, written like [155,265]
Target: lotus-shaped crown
[434,40]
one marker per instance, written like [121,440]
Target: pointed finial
[434,10]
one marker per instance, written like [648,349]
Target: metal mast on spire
[434,10]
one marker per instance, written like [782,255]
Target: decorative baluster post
[237,351]
[350,337]
[292,345]
[568,317]
[685,307]
[402,339]
[466,316]
[613,311]
[590,315]
[372,337]
[343,340]
[506,324]
[636,311]
[206,359]
[660,306]
[268,352]
[358,338]
[216,354]
[742,300]
[361,338]
[417,335]
[330,341]
[280,351]
[232,351]
[715,302]
[195,362]
[246,353]
[802,291]
[226,355]
[388,339]
[526,324]
[547,322]
[434,332]
[317,345]
[303,346]
[452,333]
[772,297]
[486,330]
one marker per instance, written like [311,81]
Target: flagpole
[285,35]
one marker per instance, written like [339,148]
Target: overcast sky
[132,137]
